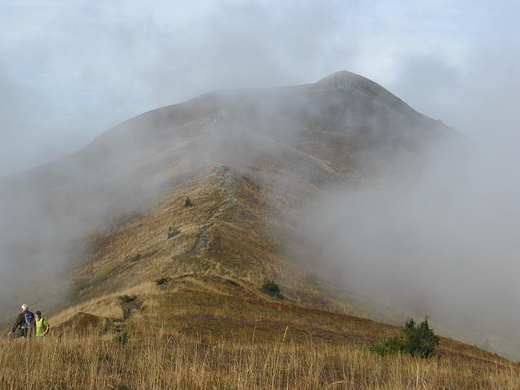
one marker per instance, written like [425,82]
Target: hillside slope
[107,230]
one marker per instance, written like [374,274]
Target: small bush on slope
[414,340]
[271,288]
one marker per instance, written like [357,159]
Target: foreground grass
[189,363]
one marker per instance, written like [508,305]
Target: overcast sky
[70,70]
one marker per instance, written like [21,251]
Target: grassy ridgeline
[189,363]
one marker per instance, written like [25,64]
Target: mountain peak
[344,79]
[339,76]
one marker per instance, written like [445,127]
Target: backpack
[29,318]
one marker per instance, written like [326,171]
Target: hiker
[42,326]
[23,325]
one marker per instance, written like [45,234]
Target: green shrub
[188,202]
[414,340]
[271,288]
[391,345]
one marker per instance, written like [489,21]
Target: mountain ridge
[250,161]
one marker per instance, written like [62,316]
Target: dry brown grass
[192,362]
[184,336]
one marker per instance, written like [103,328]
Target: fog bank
[443,245]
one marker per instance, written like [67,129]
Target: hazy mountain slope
[250,160]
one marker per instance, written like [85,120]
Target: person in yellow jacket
[41,324]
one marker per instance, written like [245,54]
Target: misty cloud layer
[445,245]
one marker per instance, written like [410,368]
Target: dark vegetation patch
[162,281]
[130,304]
[188,202]
[270,287]
[172,232]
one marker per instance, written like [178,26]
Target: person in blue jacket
[23,325]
